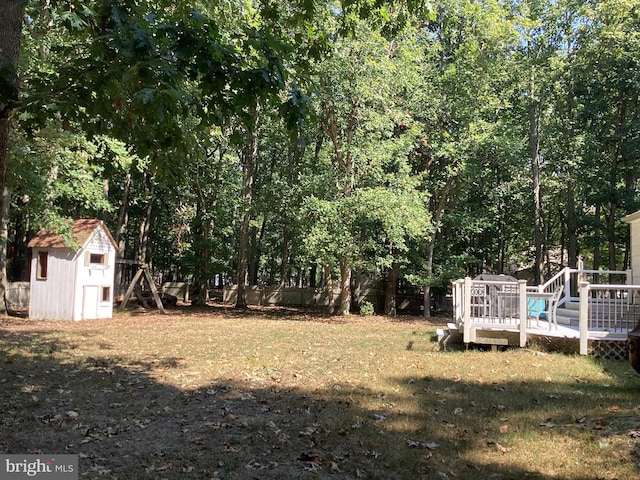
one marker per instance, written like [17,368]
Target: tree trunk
[596,244]
[202,232]
[436,219]
[145,224]
[534,125]
[249,163]
[345,287]
[286,254]
[572,225]
[328,288]
[121,228]
[390,306]
[256,251]
[11,17]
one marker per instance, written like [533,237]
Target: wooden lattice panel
[609,350]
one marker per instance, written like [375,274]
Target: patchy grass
[277,393]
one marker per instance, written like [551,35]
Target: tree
[11,18]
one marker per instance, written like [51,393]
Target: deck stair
[600,315]
[569,313]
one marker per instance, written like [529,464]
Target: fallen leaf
[418,444]
[311,457]
[307,432]
[502,449]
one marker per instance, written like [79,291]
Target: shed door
[90,302]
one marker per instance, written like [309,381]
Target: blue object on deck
[536,308]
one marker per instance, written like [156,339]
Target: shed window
[106,294]
[43,265]
[97,258]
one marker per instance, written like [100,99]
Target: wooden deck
[540,328]
[489,311]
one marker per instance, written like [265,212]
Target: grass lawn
[283,394]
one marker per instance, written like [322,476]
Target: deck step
[492,341]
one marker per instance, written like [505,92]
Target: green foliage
[57,175]
[390,133]
[366,309]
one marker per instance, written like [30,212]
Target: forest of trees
[303,142]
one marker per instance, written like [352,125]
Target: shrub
[366,309]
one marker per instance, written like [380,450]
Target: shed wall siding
[52,299]
[92,276]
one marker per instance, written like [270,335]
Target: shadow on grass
[126,423]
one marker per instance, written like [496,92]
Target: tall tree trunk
[611,236]
[328,288]
[390,306]
[121,228]
[343,162]
[534,152]
[615,162]
[202,231]
[145,223]
[572,224]
[11,17]
[286,254]
[249,163]
[345,287]
[426,296]
[596,240]
[436,219]
[256,251]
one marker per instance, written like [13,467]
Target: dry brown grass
[276,393]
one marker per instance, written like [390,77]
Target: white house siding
[52,298]
[635,251]
[92,276]
[634,227]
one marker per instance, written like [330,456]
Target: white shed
[73,279]
[634,223]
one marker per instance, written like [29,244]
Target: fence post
[466,298]
[584,317]
[523,312]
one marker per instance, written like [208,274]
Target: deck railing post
[466,331]
[523,312]
[567,282]
[584,317]
[457,300]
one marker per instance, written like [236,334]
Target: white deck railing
[490,304]
[607,310]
